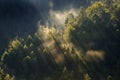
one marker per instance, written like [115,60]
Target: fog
[20,17]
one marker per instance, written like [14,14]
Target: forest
[86,48]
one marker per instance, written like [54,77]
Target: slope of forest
[87,48]
[16,16]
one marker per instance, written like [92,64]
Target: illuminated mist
[59,39]
[19,18]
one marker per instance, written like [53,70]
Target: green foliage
[5,76]
[27,57]
[87,77]
[86,49]
[94,27]
[97,29]
[1,72]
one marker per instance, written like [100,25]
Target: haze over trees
[86,48]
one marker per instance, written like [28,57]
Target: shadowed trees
[87,48]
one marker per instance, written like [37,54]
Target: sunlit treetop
[97,8]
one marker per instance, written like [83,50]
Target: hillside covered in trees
[86,48]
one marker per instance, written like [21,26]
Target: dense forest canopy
[86,48]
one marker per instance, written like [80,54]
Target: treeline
[86,49]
